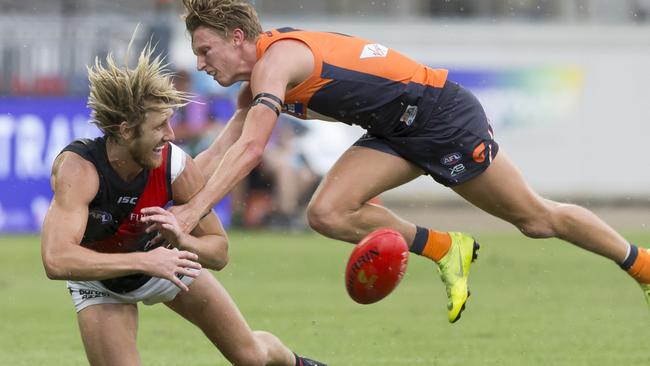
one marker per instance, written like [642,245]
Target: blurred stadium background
[565,83]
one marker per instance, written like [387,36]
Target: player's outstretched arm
[208,160]
[286,63]
[75,183]
[208,239]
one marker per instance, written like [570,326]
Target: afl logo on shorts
[451,159]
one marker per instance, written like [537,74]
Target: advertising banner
[32,133]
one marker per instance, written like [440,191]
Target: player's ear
[126,132]
[238,37]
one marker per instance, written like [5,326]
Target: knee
[325,217]
[252,355]
[540,223]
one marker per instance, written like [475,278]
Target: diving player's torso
[357,81]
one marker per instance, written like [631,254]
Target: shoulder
[188,180]
[70,165]
[87,148]
[289,60]
[74,176]
[287,49]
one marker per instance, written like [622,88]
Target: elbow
[254,152]
[221,256]
[220,263]
[53,270]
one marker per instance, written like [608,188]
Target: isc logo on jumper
[128,200]
[374,50]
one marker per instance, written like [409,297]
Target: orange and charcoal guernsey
[358,82]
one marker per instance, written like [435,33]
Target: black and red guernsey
[114,224]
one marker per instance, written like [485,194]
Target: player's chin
[225,82]
[151,162]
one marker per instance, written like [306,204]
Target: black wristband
[268,104]
[269,96]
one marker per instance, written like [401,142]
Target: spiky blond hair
[222,16]
[119,94]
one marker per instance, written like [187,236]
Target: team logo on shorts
[451,159]
[480,154]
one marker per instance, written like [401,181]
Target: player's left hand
[187,216]
[165,222]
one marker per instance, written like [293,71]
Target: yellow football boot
[454,270]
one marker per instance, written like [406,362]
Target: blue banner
[32,133]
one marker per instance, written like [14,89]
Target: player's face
[218,57]
[155,132]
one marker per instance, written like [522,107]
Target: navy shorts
[452,140]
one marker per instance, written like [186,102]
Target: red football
[376,266]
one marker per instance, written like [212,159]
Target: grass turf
[533,303]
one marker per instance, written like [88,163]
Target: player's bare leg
[209,306]
[340,210]
[109,333]
[502,191]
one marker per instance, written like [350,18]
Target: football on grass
[376,266]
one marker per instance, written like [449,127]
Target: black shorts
[452,140]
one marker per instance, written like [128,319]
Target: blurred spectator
[197,125]
[293,179]
[194,124]
[275,194]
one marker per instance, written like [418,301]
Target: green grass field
[533,303]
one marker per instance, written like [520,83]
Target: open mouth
[158,149]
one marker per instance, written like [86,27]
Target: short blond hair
[119,94]
[222,16]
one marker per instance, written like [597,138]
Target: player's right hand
[168,263]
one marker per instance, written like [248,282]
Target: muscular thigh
[362,173]
[109,333]
[209,306]
[502,191]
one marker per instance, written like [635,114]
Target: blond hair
[222,16]
[119,94]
